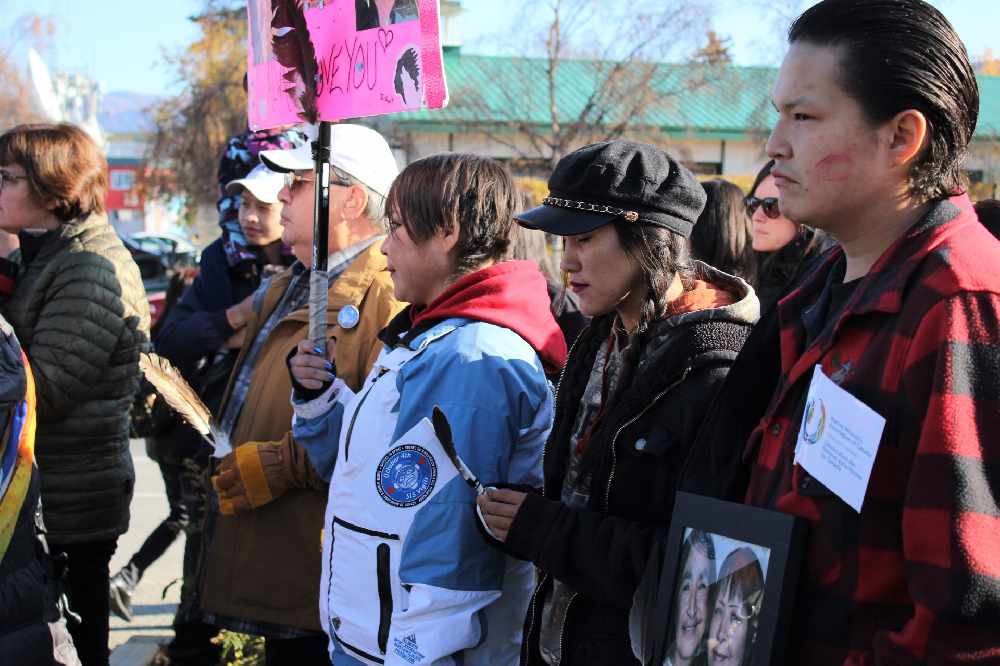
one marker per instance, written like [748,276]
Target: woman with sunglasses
[782,246]
[79,308]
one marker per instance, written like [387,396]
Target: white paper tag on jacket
[838,439]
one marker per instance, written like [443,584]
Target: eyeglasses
[770,205]
[7,175]
[294,180]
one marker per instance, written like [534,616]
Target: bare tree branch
[602,75]
[192,127]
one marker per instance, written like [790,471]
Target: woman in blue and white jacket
[407,578]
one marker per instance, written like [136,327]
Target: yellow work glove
[253,475]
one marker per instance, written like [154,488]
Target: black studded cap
[603,182]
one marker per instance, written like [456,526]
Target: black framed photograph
[727,585]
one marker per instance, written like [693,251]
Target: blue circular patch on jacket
[406,476]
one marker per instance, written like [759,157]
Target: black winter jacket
[197,326]
[81,314]
[779,268]
[32,631]
[646,435]
[195,330]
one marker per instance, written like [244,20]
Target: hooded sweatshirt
[512,294]
[407,578]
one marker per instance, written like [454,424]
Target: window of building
[122,180]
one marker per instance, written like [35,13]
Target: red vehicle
[157,302]
[156,271]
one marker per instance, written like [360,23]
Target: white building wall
[984,156]
[744,158]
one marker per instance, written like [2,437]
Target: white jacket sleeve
[316,426]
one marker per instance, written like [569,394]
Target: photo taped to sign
[259,26]
[379,13]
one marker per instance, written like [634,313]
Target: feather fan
[294,50]
[173,388]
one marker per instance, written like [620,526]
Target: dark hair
[407,61]
[899,55]
[988,211]
[63,165]
[661,255]
[741,574]
[764,172]
[478,195]
[721,237]
[701,540]
[532,245]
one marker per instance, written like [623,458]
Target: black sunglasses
[770,205]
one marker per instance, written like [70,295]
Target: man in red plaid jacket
[877,103]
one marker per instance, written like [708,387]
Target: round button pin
[348,317]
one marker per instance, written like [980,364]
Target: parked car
[159,256]
[155,274]
[177,250]
[154,269]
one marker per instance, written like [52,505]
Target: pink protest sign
[365,58]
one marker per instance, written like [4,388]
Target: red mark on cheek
[835,167]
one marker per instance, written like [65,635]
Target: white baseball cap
[263,183]
[356,150]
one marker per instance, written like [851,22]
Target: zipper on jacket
[358,651]
[614,440]
[555,403]
[384,595]
[562,629]
[531,620]
[532,610]
[354,416]
[363,530]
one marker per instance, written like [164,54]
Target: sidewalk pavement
[133,644]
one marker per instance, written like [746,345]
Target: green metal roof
[989,107]
[723,102]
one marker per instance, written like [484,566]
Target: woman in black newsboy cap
[632,397]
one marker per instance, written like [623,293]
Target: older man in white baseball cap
[356,150]
[362,169]
[263,565]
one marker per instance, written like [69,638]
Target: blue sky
[121,43]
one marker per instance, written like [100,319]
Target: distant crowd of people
[480,461]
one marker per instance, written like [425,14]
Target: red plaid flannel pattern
[915,577]
[8,275]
